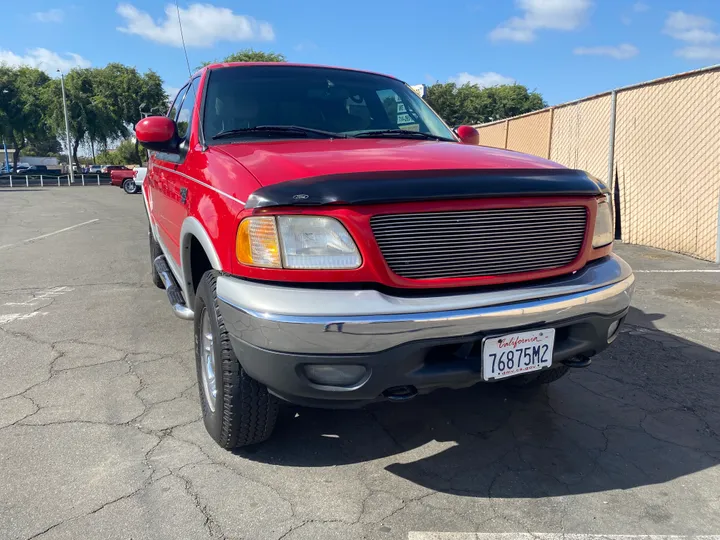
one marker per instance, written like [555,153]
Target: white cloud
[619,52]
[203,25]
[44,59]
[305,46]
[172,91]
[49,16]
[640,7]
[690,28]
[542,14]
[699,52]
[696,32]
[483,80]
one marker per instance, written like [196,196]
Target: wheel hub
[207,361]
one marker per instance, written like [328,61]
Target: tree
[470,104]
[250,55]
[83,115]
[21,106]
[124,154]
[103,104]
[125,92]
[47,147]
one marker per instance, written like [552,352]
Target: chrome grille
[480,242]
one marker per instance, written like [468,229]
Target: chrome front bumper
[334,321]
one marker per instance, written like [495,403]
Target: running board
[175,295]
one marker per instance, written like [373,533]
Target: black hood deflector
[432,185]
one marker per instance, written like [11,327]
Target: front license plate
[514,354]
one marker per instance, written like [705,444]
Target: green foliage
[22,108]
[103,103]
[250,55]
[470,104]
[49,147]
[123,154]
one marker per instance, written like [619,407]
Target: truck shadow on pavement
[644,413]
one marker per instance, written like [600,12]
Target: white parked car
[139,176]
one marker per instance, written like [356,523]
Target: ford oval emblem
[301,197]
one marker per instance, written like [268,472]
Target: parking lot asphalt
[101,437]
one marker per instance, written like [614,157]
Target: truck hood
[280,161]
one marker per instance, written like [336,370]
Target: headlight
[257,242]
[296,242]
[603,225]
[316,242]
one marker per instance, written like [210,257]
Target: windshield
[334,100]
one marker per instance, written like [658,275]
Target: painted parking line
[551,536]
[49,234]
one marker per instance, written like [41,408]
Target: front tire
[237,410]
[129,186]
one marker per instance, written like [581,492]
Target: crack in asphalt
[491,494]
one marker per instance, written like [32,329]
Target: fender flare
[191,227]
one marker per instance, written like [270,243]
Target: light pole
[7,161]
[67,126]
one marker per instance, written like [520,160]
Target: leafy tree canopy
[470,104]
[21,108]
[124,154]
[250,55]
[103,103]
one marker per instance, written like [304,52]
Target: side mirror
[158,133]
[468,135]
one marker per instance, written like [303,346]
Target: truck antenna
[182,37]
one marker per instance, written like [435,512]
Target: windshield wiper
[402,133]
[299,130]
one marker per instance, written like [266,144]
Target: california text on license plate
[513,354]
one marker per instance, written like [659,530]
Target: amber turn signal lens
[257,242]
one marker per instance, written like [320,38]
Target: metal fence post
[58,180]
[11,180]
[507,132]
[27,181]
[41,181]
[549,145]
[98,177]
[611,152]
[82,177]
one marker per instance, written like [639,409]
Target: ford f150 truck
[335,243]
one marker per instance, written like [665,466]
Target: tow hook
[579,361]
[400,393]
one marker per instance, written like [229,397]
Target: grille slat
[431,231]
[418,258]
[475,241]
[479,243]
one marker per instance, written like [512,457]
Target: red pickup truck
[123,177]
[335,243]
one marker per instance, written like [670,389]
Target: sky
[565,49]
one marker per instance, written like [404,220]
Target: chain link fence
[656,144]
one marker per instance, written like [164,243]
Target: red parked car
[335,243]
[123,177]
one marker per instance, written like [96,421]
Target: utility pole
[67,126]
